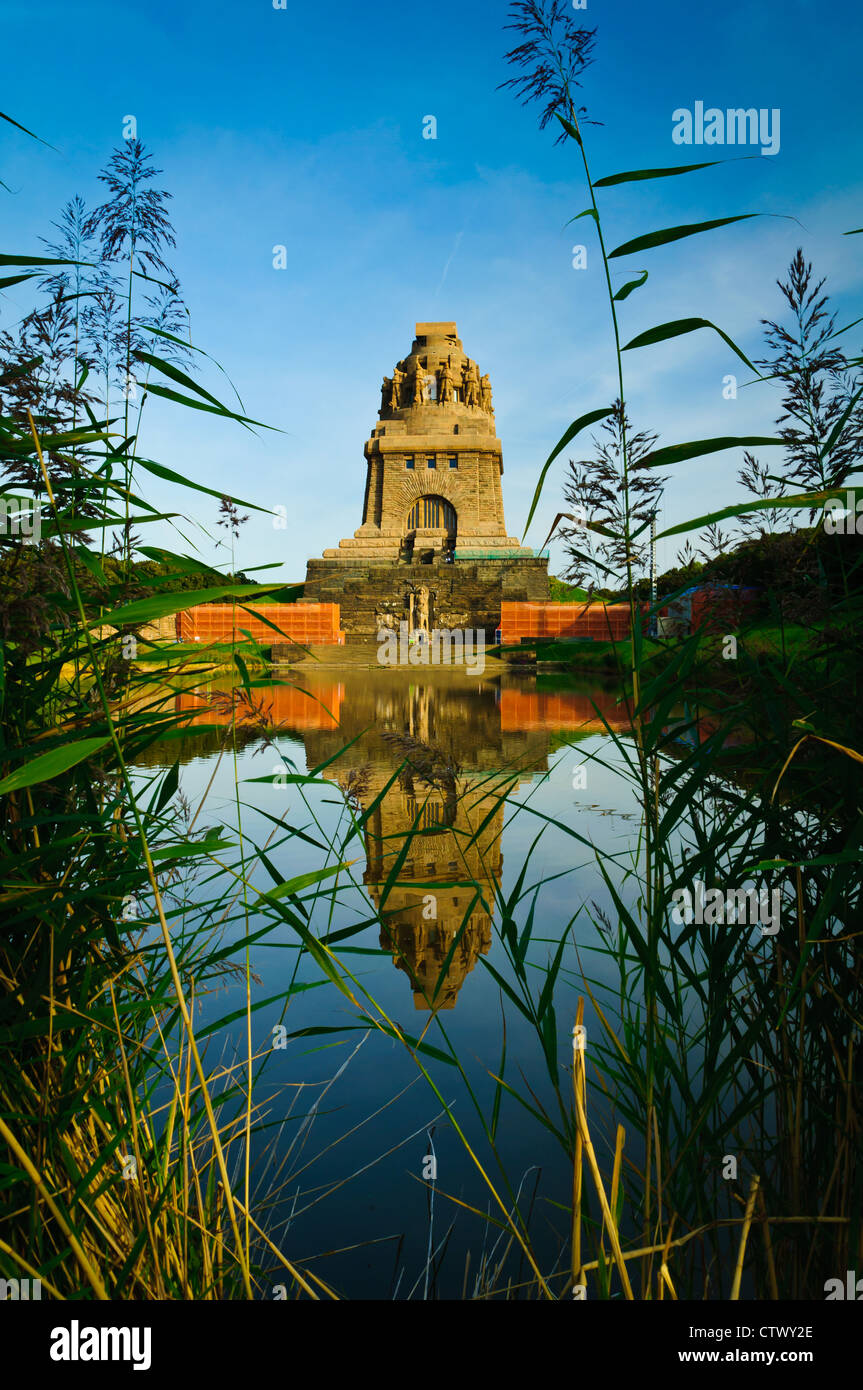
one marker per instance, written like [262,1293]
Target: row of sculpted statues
[403,388]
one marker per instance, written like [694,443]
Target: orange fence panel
[607,622]
[310,624]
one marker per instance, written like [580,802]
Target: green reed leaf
[575,428]
[183,564]
[799,500]
[190,347]
[181,378]
[170,476]
[569,127]
[145,610]
[676,328]
[668,234]
[8,280]
[221,410]
[835,433]
[588,212]
[677,453]
[631,285]
[37,260]
[52,764]
[31,133]
[635,175]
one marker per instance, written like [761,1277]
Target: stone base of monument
[463,594]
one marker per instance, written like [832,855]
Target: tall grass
[122,1139]
[130,1150]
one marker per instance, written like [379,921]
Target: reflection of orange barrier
[276,704]
[607,622]
[563,709]
[307,623]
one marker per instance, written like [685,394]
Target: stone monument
[432,497]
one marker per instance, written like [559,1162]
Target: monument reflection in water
[433,754]
[432,771]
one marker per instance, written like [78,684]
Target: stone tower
[432,497]
[434,459]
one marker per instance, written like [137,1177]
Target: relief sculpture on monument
[420,388]
[470,383]
[445,384]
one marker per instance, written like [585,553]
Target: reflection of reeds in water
[432,766]
[355,785]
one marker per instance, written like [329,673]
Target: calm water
[348,1110]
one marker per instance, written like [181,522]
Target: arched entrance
[430,529]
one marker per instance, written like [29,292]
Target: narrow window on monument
[431,461]
[409,461]
[453,461]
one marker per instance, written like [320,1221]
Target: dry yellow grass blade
[612,1036]
[578,1082]
[744,1235]
[141,1170]
[618,1163]
[34,1273]
[36,1178]
[768,1247]
[292,1269]
[840,747]
[603,1200]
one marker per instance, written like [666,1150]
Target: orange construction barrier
[604,622]
[310,624]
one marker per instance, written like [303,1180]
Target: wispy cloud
[449,261]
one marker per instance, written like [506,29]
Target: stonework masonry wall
[473,486]
[461,595]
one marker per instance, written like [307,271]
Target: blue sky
[304,128]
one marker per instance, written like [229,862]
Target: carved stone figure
[396,398]
[485,394]
[470,383]
[386,394]
[445,384]
[422,610]
[420,389]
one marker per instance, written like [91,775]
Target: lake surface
[439,786]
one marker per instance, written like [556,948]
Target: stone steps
[360,655]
